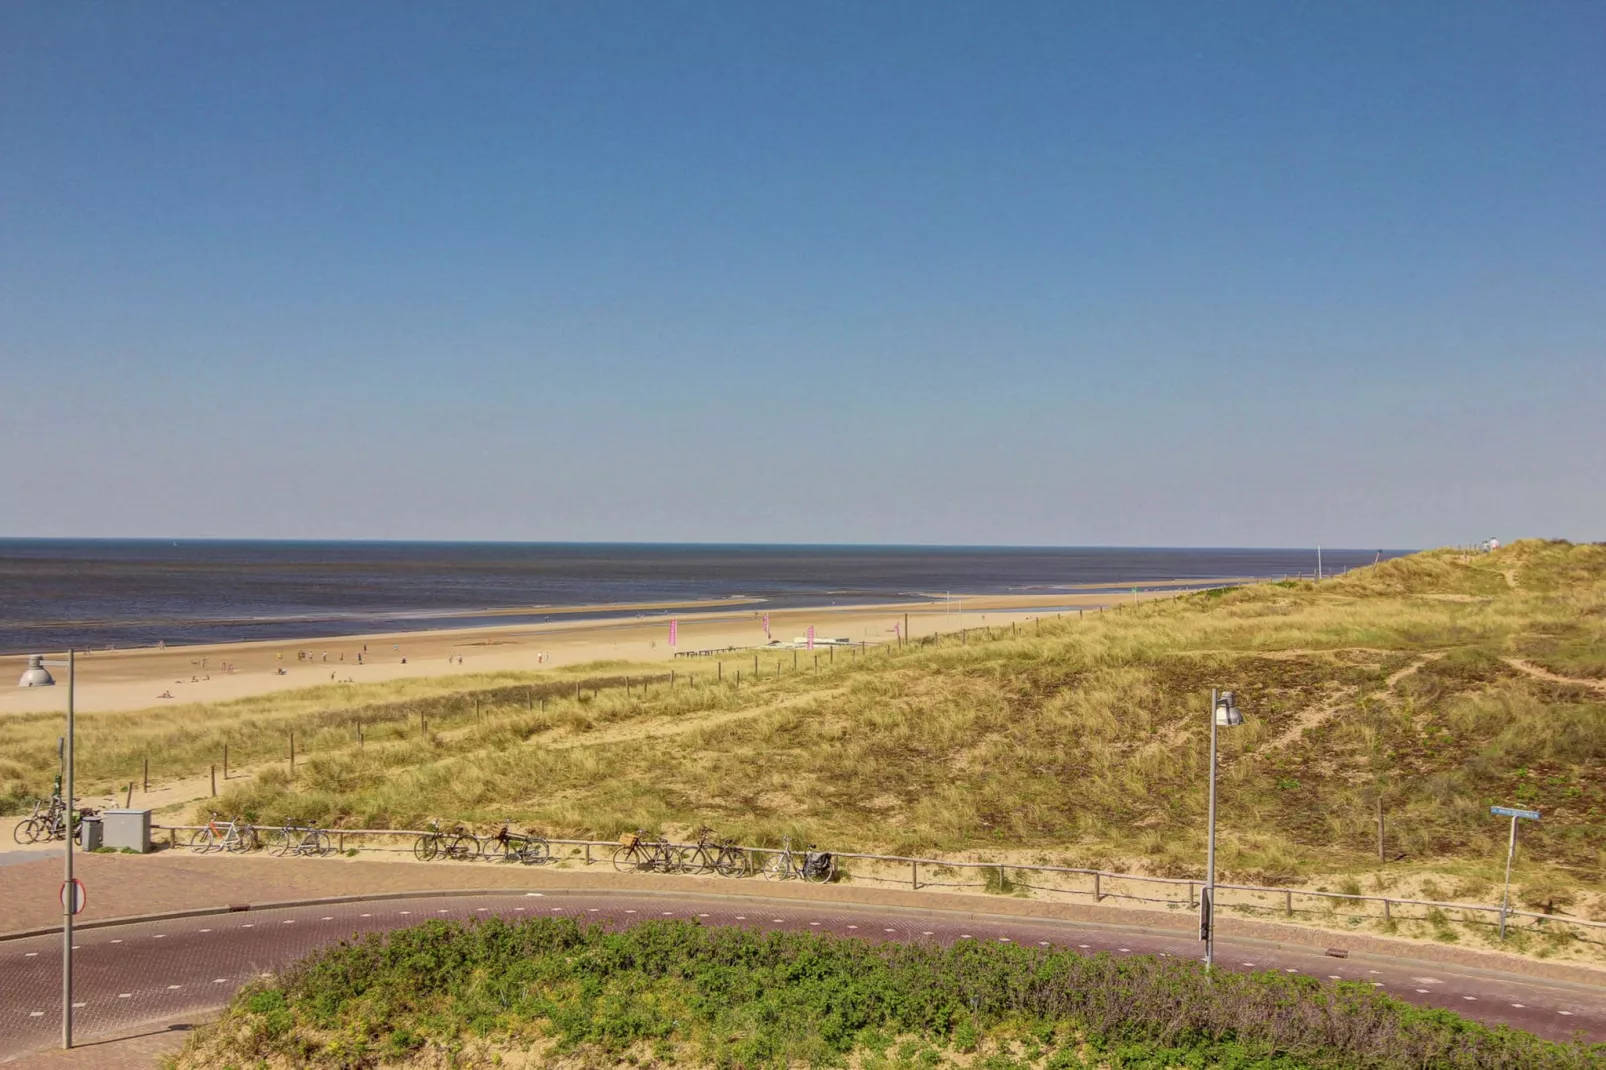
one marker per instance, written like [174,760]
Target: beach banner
[811,637]
[766,625]
[897,629]
[674,630]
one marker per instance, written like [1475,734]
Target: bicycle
[295,839]
[44,824]
[456,844]
[508,846]
[234,836]
[713,855]
[817,867]
[637,852]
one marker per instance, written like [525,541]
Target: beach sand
[138,678]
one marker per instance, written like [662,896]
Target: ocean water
[92,593]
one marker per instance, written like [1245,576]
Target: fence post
[225,761]
[292,753]
[1387,914]
[1098,893]
[738,679]
[359,736]
[214,782]
[914,873]
[1191,903]
[721,672]
[588,854]
[146,786]
[1288,903]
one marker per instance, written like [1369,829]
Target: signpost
[1511,853]
[73,901]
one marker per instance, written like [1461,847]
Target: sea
[105,593]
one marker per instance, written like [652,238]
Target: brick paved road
[131,974]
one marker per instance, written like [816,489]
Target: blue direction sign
[1506,811]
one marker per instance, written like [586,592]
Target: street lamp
[1223,714]
[36,675]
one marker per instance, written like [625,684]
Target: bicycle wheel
[317,844]
[626,859]
[426,847]
[205,840]
[732,862]
[820,874]
[503,850]
[778,867]
[26,831]
[282,841]
[463,847]
[698,860]
[534,851]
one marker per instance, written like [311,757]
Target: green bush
[738,998]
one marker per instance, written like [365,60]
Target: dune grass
[1079,739]
[552,992]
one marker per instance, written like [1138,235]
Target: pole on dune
[69,900]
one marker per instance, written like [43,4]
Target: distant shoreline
[139,678]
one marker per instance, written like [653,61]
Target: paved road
[128,975]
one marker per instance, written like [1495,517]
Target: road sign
[1506,811]
[79,897]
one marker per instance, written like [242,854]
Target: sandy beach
[140,678]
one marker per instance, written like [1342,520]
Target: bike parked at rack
[303,840]
[818,867]
[528,848]
[713,855]
[637,853]
[456,844]
[234,836]
[47,822]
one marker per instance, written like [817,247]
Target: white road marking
[777,921]
[253,925]
[159,936]
[1377,984]
[814,923]
[702,915]
[220,980]
[964,936]
[125,995]
[360,915]
[204,930]
[1003,939]
[1334,977]
[518,910]
[404,912]
[1289,969]
[171,987]
[292,921]
[669,913]
[1249,964]
[853,926]
[1128,949]
[114,941]
[889,930]
[1470,999]
[1044,943]
[630,912]
[330,918]
[1371,971]
[1518,1006]
[443,910]
[35,954]
[1084,945]
[1567,1013]
[925,932]
[1421,990]
[593,910]
[557,910]
[1427,980]
[743,917]
[36,1014]
[535,895]
[477,910]
[77,947]
[80,1004]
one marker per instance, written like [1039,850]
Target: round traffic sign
[79,896]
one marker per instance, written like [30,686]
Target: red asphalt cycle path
[128,975]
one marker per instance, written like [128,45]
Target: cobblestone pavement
[161,971]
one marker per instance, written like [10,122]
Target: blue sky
[1173,274]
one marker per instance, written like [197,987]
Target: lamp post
[1223,714]
[36,675]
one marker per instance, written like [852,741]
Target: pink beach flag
[674,630]
[766,625]
[811,637]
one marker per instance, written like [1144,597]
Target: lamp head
[1227,714]
[36,675]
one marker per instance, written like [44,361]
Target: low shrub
[739,998]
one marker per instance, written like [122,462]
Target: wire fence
[1065,881]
